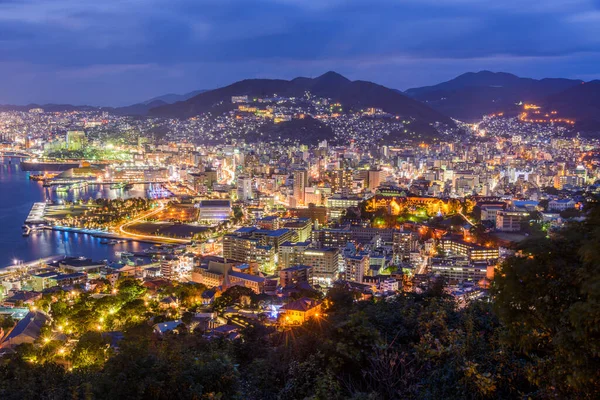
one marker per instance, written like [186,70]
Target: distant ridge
[141,108]
[580,103]
[173,98]
[471,95]
[351,94]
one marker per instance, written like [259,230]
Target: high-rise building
[356,267]
[326,265]
[341,181]
[244,188]
[300,183]
[295,274]
[402,244]
[75,140]
[375,179]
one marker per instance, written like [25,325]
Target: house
[297,312]
[561,205]
[208,296]
[27,330]
[167,326]
[226,331]
[21,297]
[168,302]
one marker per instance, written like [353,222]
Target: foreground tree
[548,298]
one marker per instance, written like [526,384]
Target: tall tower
[300,183]
[244,188]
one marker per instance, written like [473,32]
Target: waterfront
[17,195]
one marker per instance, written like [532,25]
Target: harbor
[16,211]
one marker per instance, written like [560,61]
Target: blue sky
[118,52]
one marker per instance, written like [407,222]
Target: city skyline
[119,53]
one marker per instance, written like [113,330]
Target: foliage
[547,297]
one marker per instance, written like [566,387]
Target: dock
[30,264]
[36,215]
[109,235]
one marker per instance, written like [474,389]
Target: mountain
[580,103]
[145,106]
[173,98]
[471,95]
[351,94]
[46,107]
[139,108]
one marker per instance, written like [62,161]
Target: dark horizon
[266,77]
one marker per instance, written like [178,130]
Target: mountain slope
[173,97]
[471,95]
[581,103]
[351,94]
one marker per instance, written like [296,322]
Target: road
[122,228]
[228,170]
[466,219]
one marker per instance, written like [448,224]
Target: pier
[19,266]
[36,215]
[109,235]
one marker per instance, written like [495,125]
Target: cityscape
[304,238]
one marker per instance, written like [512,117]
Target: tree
[547,298]
[90,352]
[130,289]
[7,322]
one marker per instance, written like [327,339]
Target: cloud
[172,43]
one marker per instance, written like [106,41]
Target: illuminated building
[299,311]
[459,269]
[376,177]
[337,201]
[248,250]
[301,226]
[326,265]
[295,274]
[300,183]
[341,181]
[561,204]
[331,237]
[402,245]
[472,251]
[239,99]
[244,188]
[214,211]
[290,254]
[222,274]
[75,140]
[510,221]
[313,195]
[356,267]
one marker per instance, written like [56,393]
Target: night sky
[118,52]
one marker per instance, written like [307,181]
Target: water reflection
[17,195]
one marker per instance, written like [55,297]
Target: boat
[113,242]
[41,177]
[62,189]
[79,185]
[104,241]
[118,185]
[126,254]
[26,230]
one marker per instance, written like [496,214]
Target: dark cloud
[119,51]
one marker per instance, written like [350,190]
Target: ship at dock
[48,166]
